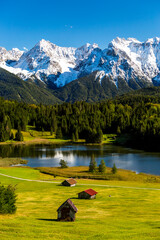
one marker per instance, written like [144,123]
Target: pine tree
[42,131]
[73,137]
[118,130]
[51,131]
[99,135]
[11,136]
[76,135]
[59,133]
[7,199]
[2,133]
[114,169]
[102,167]
[19,136]
[93,164]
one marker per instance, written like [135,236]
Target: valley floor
[132,211]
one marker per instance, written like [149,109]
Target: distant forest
[133,118]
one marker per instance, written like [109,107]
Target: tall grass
[126,214]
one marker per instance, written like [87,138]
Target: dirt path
[81,184]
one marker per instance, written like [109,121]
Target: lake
[80,155]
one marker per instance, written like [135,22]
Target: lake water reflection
[80,155]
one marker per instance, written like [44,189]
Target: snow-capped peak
[84,51]
[87,47]
[155,40]
[44,45]
[122,43]
[14,54]
[124,58]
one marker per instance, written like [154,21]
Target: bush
[7,199]
[63,163]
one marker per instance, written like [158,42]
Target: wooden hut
[87,194]
[69,182]
[67,211]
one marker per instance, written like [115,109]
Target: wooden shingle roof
[71,205]
[71,181]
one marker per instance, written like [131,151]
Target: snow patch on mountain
[100,75]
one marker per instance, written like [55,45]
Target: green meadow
[32,136]
[132,211]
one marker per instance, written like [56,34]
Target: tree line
[138,117]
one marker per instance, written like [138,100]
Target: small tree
[93,164]
[7,199]
[114,169]
[63,163]
[73,137]
[11,136]
[51,131]
[19,136]
[59,133]
[42,131]
[118,130]
[102,167]
[76,135]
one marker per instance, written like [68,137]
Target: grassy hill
[132,211]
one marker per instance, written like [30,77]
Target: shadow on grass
[47,219]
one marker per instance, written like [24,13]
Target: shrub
[7,199]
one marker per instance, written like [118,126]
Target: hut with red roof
[87,194]
[67,211]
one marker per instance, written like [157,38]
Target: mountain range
[85,73]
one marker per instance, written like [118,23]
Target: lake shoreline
[121,141]
[80,154]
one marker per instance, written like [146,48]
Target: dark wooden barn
[87,194]
[67,211]
[69,182]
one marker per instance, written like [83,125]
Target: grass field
[128,214]
[6,162]
[82,172]
[32,136]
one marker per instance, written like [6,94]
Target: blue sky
[73,23]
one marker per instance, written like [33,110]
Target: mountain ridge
[127,58]
[126,64]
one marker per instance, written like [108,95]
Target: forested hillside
[13,88]
[136,119]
